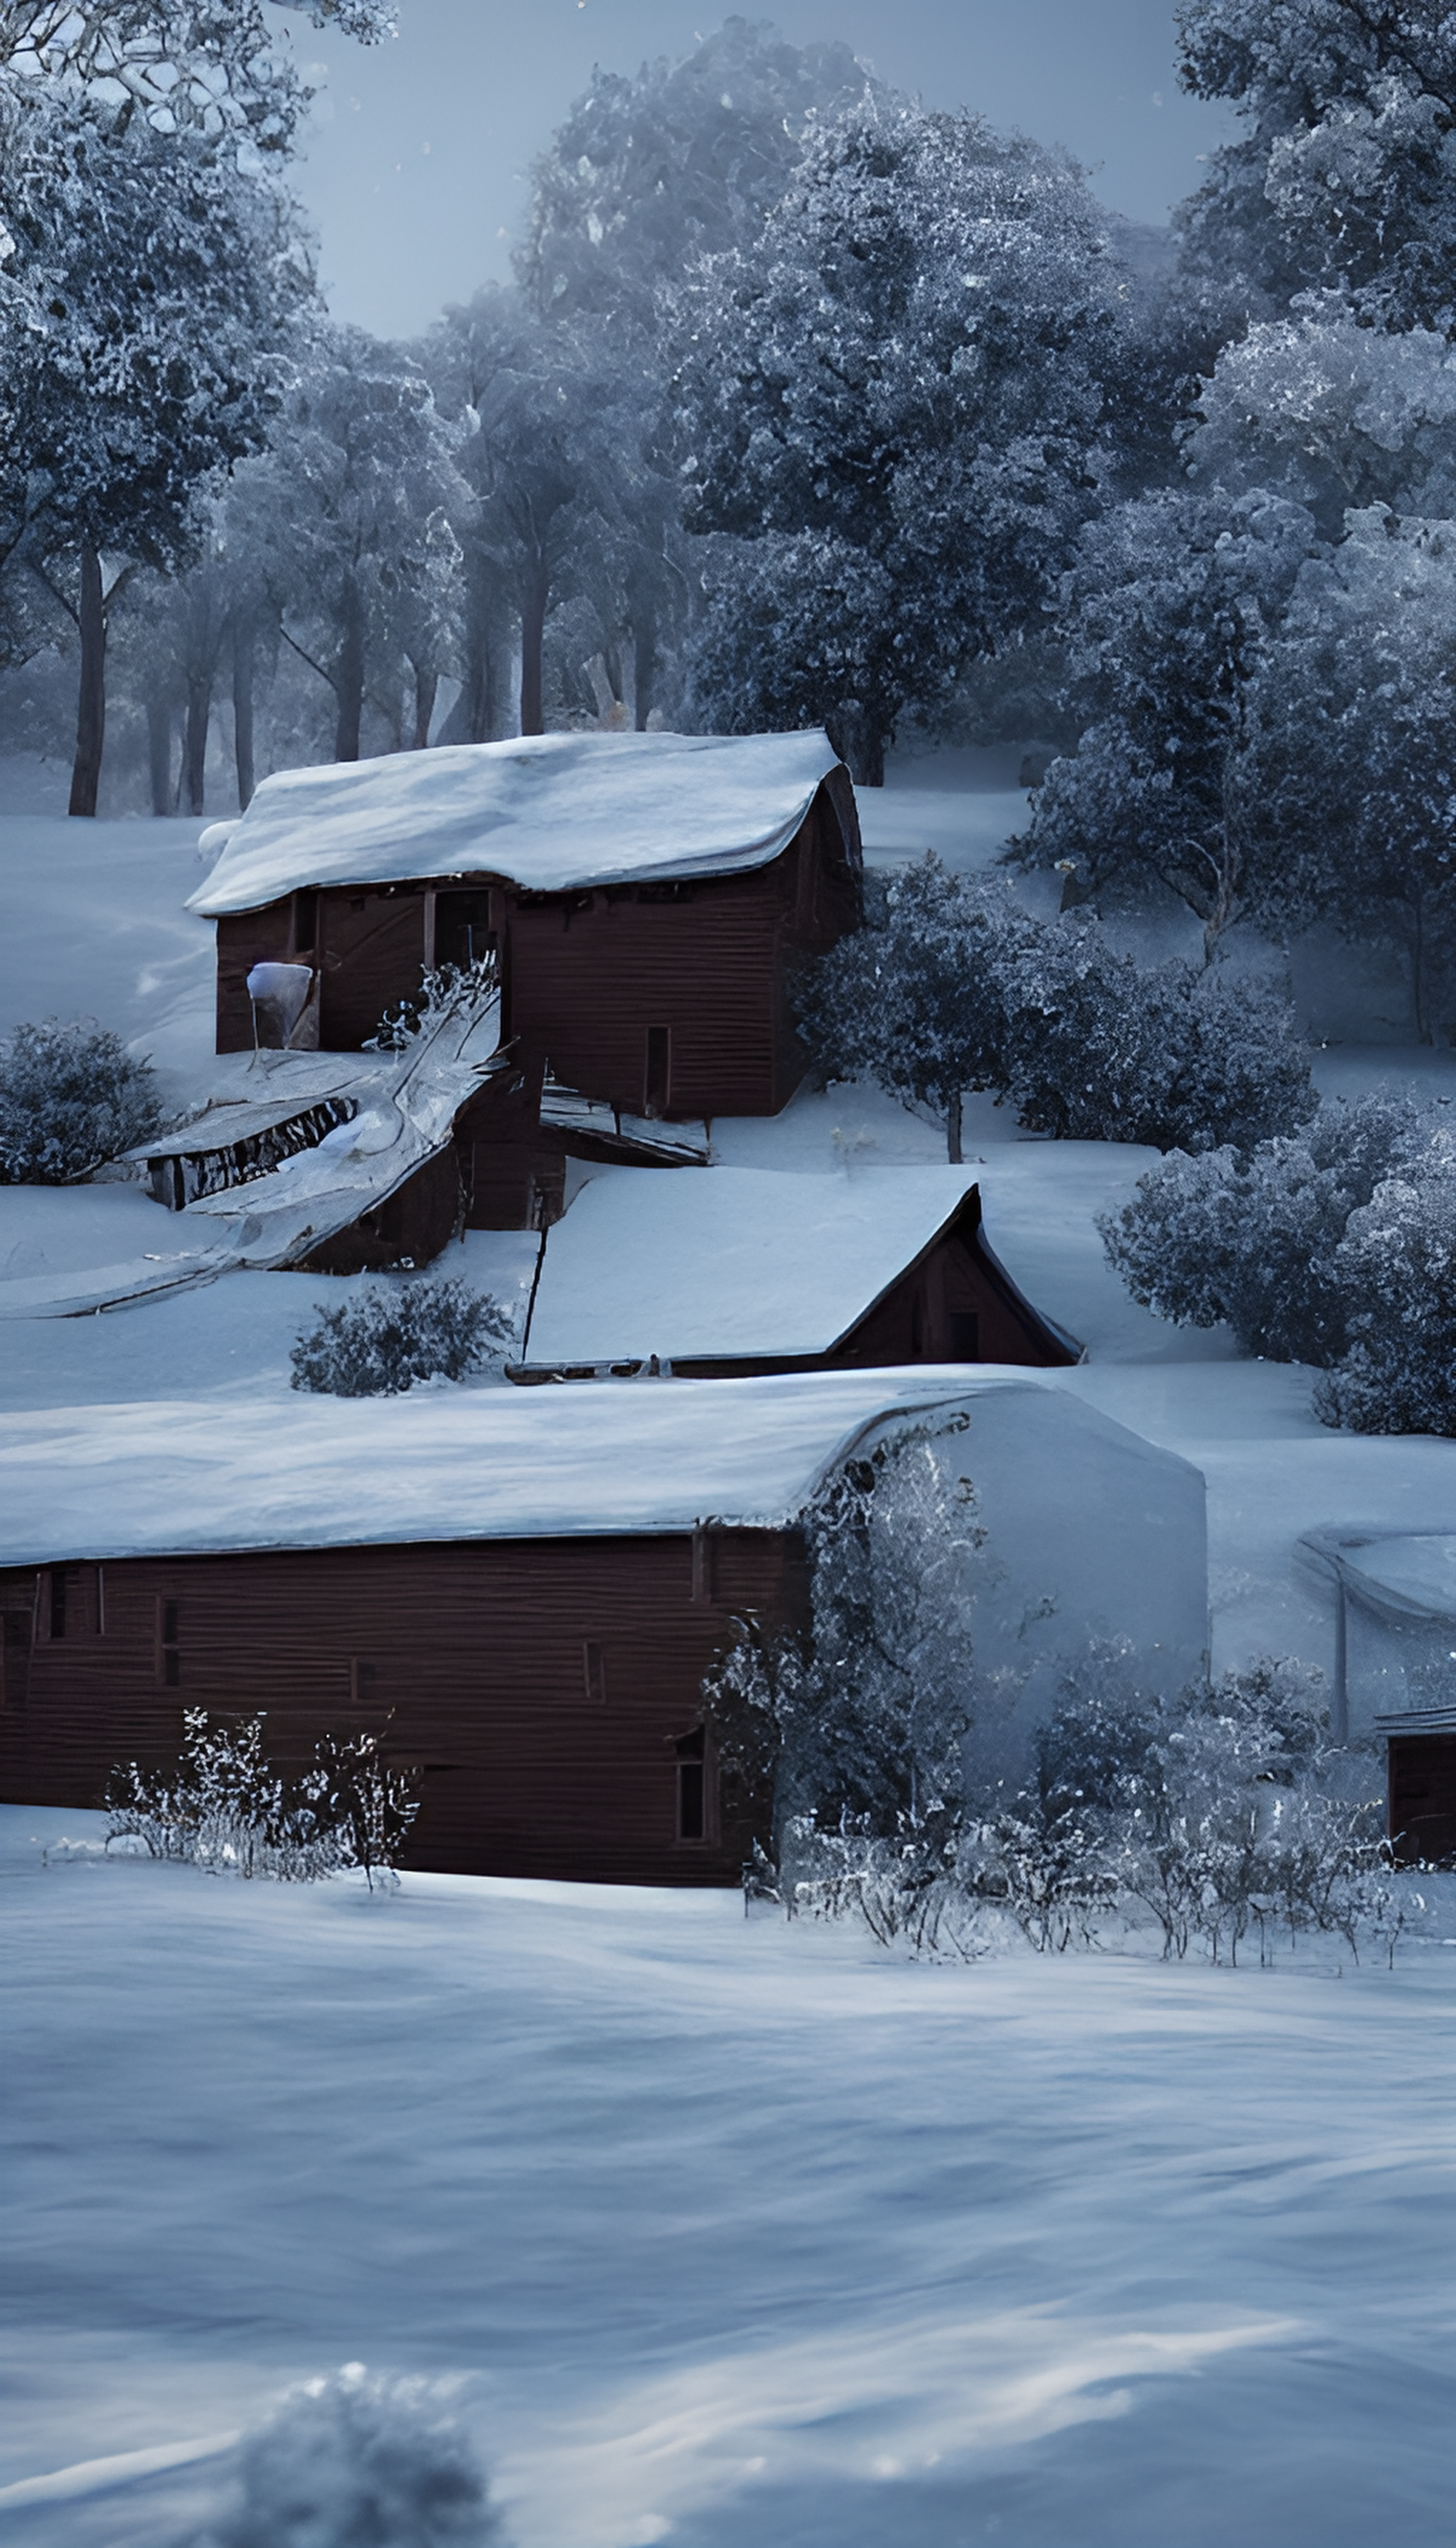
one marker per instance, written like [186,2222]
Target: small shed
[646,897]
[521,1590]
[751,1270]
[1394,1682]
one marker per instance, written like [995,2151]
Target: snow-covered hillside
[718,2231]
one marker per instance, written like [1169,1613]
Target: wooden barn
[754,1270]
[1394,1682]
[646,897]
[519,1589]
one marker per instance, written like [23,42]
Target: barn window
[305,923]
[168,1657]
[965,1337]
[657,1077]
[362,1681]
[594,1672]
[692,1750]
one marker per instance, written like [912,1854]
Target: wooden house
[1394,1682]
[646,896]
[748,1270]
[519,1589]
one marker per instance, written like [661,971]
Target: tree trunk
[426,684]
[954,1152]
[855,736]
[348,685]
[194,743]
[532,637]
[245,649]
[91,710]
[159,753]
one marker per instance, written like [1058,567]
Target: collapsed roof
[550,813]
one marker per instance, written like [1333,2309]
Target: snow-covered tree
[1351,766]
[350,519]
[1345,176]
[148,285]
[72,1097]
[1396,1266]
[1331,415]
[856,1726]
[647,175]
[959,989]
[889,404]
[1170,615]
[214,68]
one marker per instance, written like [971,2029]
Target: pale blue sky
[415,171]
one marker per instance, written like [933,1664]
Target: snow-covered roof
[740,1261]
[1400,1575]
[550,812]
[176,1478]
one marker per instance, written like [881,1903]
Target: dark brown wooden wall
[1422,1797]
[541,1685]
[709,960]
[586,977]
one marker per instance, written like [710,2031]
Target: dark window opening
[593,1672]
[57,1603]
[964,1342]
[305,923]
[692,1750]
[362,1681]
[657,1082]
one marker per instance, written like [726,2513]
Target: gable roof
[182,1478]
[548,812]
[743,1261]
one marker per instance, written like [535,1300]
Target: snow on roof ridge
[548,812]
[196,1477]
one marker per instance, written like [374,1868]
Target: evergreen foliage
[71,1098]
[384,1341]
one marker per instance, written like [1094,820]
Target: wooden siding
[598,980]
[408,1230]
[1422,1797]
[954,1304]
[512,1176]
[543,1687]
[667,998]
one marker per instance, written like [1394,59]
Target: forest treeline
[805,405]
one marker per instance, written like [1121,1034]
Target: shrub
[383,1341]
[954,987]
[1338,1249]
[71,1098]
[228,1808]
[1397,1264]
[355,2460]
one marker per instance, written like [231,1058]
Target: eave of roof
[549,813]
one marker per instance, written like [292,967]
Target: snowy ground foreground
[725,2231]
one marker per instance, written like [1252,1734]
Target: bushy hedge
[952,987]
[71,1098]
[383,1341]
[1336,1247]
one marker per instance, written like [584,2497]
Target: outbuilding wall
[543,1687]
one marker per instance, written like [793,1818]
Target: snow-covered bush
[1336,1248]
[1253,1239]
[1221,1811]
[1397,1264]
[355,2460]
[954,987]
[383,1341]
[72,1097]
[228,1808]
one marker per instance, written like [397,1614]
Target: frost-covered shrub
[382,1342]
[228,1808]
[443,993]
[1100,1048]
[359,2461]
[1255,1239]
[70,1098]
[954,987]
[1396,1266]
[1338,1249]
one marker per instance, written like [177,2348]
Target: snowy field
[718,2231]
[725,2232]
